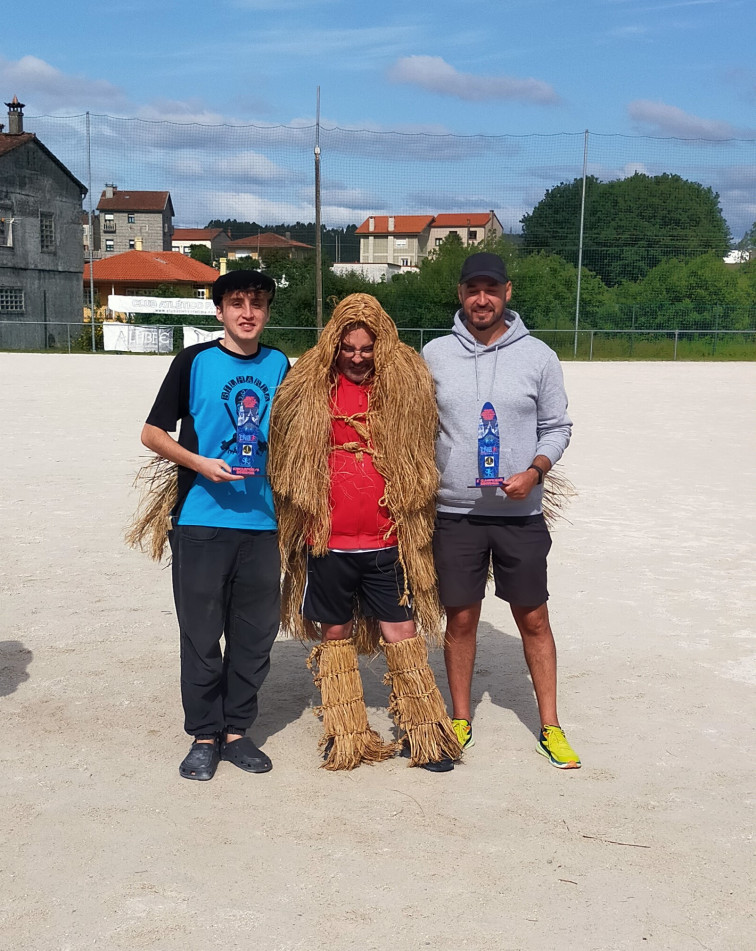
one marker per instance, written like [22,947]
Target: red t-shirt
[358,520]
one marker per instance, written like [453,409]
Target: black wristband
[539,470]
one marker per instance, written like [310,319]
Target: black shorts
[464,546]
[374,578]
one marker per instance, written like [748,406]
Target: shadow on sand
[14,659]
[500,672]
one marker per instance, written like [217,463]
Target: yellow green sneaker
[553,744]
[463,729]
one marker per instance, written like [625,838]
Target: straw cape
[400,429]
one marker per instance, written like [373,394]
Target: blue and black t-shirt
[223,402]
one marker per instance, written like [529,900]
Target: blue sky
[677,69]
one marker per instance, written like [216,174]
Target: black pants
[225,581]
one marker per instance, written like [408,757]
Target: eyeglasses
[353,351]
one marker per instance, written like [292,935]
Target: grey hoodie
[523,380]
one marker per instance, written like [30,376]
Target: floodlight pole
[580,243]
[318,247]
[91,238]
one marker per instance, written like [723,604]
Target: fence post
[590,355]
[677,334]
[421,338]
[68,334]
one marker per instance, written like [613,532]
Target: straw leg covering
[347,736]
[416,702]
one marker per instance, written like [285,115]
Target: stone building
[41,253]
[135,221]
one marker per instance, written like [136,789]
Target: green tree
[631,224]
[201,252]
[243,264]
[748,241]
[544,290]
[699,293]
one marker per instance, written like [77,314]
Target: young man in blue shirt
[226,570]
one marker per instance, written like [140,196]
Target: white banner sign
[161,305]
[194,335]
[131,339]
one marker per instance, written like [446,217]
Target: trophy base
[245,471]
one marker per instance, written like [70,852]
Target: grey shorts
[464,546]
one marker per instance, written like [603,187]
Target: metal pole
[580,241]
[68,331]
[632,335]
[318,248]
[590,355]
[91,238]
[674,355]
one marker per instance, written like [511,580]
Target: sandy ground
[650,845]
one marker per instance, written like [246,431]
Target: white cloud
[436,75]
[46,89]
[657,118]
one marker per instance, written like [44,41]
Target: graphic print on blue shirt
[229,403]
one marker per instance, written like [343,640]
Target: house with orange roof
[137,273]
[215,239]
[404,240]
[135,220]
[394,239]
[469,228]
[257,245]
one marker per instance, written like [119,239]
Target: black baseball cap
[242,281]
[484,264]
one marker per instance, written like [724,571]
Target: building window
[400,242]
[439,242]
[473,235]
[132,244]
[11,300]
[6,227]
[109,244]
[46,231]
[131,219]
[200,293]
[405,262]
[108,224]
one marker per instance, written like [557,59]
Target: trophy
[488,449]
[249,440]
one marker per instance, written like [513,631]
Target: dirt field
[650,845]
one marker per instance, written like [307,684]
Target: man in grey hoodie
[503,425]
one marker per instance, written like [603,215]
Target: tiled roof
[135,201]
[403,224]
[153,267]
[267,239]
[462,221]
[10,142]
[196,234]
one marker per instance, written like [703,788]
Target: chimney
[371,223]
[109,189]
[288,235]
[223,265]
[15,116]
[391,223]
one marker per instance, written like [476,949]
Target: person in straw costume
[354,482]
